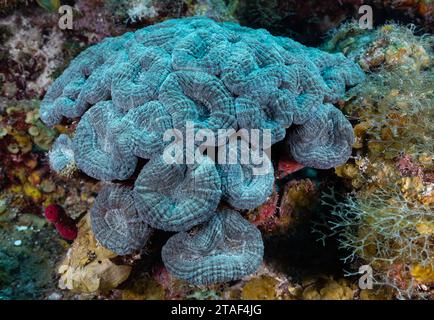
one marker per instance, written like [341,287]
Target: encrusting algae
[262,288]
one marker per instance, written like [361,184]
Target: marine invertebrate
[387,221]
[131,89]
[223,249]
[324,140]
[277,82]
[61,154]
[388,46]
[242,186]
[67,231]
[53,213]
[331,289]
[93,145]
[177,197]
[64,224]
[396,109]
[384,230]
[115,221]
[262,288]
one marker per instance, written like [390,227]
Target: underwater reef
[386,219]
[375,209]
[310,20]
[30,247]
[129,90]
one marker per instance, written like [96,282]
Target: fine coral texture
[62,153]
[176,197]
[225,248]
[241,186]
[115,221]
[218,75]
[130,89]
[324,140]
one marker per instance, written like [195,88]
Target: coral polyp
[131,89]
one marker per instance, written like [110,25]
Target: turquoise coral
[225,248]
[130,89]
[242,187]
[95,148]
[61,154]
[326,138]
[177,197]
[115,221]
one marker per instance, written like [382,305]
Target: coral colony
[130,90]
